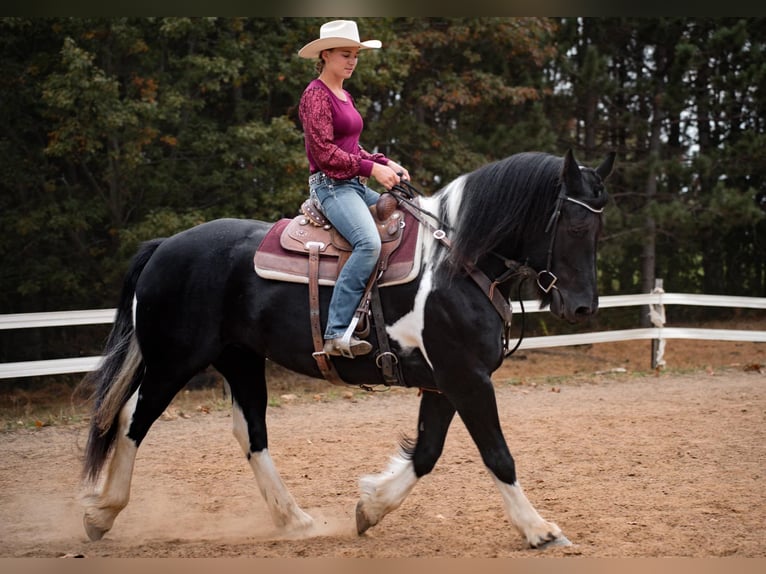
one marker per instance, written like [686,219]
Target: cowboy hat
[336,34]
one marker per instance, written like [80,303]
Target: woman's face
[341,61]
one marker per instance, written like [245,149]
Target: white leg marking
[526,519]
[284,511]
[112,495]
[240,428]
[384,492]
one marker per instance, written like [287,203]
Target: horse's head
[535,210]
[568,280]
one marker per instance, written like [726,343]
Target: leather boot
[356,347]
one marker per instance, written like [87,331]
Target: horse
[193,300]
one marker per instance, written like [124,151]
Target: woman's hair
[320,61]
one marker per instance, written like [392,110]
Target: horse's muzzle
[573,309]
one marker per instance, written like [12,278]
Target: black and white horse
[193,300]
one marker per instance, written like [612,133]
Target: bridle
[546,279]
[552,227]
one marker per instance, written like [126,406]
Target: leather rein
[546,279]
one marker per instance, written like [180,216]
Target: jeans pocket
[322,191]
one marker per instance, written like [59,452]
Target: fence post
[657,318]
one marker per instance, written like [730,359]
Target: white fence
[656,301]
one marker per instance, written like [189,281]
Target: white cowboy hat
[336,34]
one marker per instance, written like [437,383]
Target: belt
[319,176]
[316,178]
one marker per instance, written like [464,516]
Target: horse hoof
[362,522]
[303,522]
[93,532]
[558,541]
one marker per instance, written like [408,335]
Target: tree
[116,130]
[451,94]
[678,99]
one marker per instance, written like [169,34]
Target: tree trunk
[648,254]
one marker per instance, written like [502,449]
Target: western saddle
[308,249]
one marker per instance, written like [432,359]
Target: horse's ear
[606,166]
[571,175]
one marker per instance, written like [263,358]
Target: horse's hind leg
[245,373]
[384,492]
[112,493]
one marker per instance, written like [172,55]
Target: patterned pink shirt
[331,129]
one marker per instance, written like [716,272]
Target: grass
[34,406]
[37,407]
[50,401]
[12,419]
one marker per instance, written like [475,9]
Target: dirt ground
[629,462]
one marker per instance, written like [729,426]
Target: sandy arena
[628,464]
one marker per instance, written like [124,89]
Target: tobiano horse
[193,300]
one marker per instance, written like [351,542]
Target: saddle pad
[273,261]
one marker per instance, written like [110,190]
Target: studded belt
[320,176]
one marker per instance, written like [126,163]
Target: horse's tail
[119,373]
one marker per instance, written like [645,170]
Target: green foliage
[682,101]
[117,130]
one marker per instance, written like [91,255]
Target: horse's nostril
[584,311]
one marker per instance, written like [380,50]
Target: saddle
[308,249]
[283,253]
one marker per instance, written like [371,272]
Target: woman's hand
[403,173]
[386,176]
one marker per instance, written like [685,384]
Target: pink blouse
[331,129]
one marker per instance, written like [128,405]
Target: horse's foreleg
[112,493]
[478,409]
[382,493]
[538,532]
[282,506]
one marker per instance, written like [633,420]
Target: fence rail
[655,300]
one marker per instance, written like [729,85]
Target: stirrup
[345,342]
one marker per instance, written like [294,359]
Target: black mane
[502,200]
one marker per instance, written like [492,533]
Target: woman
[339,170]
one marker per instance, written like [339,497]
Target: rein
[405,192]
[500,303]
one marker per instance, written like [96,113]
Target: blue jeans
[346,204]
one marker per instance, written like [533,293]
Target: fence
[656,301]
